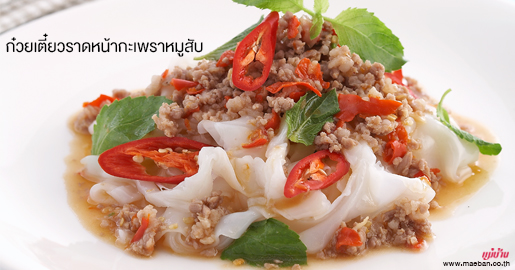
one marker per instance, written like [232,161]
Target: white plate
[463,45]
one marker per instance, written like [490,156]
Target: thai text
[105,46]
[500,253]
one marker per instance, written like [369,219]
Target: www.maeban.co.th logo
[500,253]
[491,256]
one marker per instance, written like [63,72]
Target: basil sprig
[125,120]
[307,117]
[359,29]
[267,241]
[485,148]
[320,7]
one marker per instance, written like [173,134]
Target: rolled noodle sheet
[263,181]
[215,173]
[369,191]
[276,152]
[109,189]
[443,149]
[312,205]
[258,182]
[230,227]
[230,135]
[213,163]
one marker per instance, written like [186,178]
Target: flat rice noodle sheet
[443,149]
[108,189]
[263,182]
[178,243]
[213,163]
[250,173]
[231,135]
[233,225]
[312,205]
[370,190]
[94,173]
[215,173]
[177,230]
[275,179]
[230,227]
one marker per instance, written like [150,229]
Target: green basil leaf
[125,120]
[276,5]
[485,148]
[316,28]
[309,114]
[229,45]
[368,37]
[321,6]
[267,241]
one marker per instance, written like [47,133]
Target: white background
[462,45]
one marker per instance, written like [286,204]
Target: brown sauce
[451,194]
[78,188]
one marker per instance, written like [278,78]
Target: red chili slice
[118,161]
[307,174]
[276,87]
[141,230]
[180,84]
[397,144]
[97,102]
[397,77]
[258,142]
[274,122]
[164,74]
[293,27]
[225,59]
[257,138]
[352,105]
[305,71]
[188,113]
[187,123]
[348,237]
[419,245]
[194,91]
[255,51]
[296,95]
[394,149]
[259,98]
